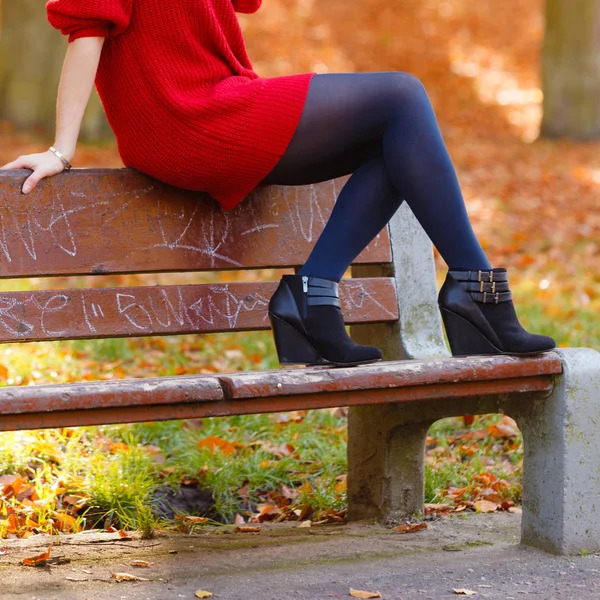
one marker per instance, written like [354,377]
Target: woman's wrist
[67,150]
[63,159]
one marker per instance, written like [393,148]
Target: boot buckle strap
[480,275]
[496,297]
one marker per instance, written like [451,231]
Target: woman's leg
[382,127]
[346,113]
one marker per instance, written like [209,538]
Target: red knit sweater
[180,93]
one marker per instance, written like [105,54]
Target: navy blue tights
[381,127]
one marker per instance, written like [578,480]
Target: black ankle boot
[308,325]
[480,318]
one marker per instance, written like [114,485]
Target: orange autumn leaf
[65,522]
[364,594]
[214,443]
[484,506]
[406,528]
[39,559]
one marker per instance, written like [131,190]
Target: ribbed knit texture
[180,94]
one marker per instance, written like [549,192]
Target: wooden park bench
[102,222]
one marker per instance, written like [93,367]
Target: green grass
[120,484]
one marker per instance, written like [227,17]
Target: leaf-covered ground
[533,204]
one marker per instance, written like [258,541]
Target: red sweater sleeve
[247,6]
[90,18]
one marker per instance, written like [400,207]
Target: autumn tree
[571,69]
[31,55]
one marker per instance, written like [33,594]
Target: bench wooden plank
[201,396]
[166,310]
[120,221]
[264,384]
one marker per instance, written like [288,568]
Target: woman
[186,107]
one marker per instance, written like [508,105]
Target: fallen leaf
[507,428]
[248,529]
[406,528]
[214,443]
[76,579]
[39,559]
[239,520]
[202,594]
[192,519]
[363,594]
[464,592]
[142,564]
[3,551]
[484,506]
[127,577]
[305,524]
[515,510]
[124,535]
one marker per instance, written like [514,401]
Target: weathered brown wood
[211,396]
[165,310]
[392,375]
[120,221]
[132,413]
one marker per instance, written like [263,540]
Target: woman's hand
[43,165]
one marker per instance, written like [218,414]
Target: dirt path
[478,552]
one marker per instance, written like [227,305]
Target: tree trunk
[571,69]
[31,56]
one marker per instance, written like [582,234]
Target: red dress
[180,93]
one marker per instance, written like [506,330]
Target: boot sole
[294,349]
[467,340]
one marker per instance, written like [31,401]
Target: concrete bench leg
[561,482]
[386,460]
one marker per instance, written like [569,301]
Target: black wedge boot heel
[292,347]
[480,318]
[308,326]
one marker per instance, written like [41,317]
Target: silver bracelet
[62,158]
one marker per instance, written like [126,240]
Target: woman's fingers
[41,172]
[43,165]
[19,163]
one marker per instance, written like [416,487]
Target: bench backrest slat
[120,221]
[164,310]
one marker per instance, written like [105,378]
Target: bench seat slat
[387,375]
[94,221]
[200,396]
[165,310]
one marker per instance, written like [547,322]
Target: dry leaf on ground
[406,528]
[484,506]
[141,564]
[214,443]
[39,559]
[248,529]
[305,524]
[127,577]
[515,510]
[464,592]
[192,519]
[202,594]
[363,594]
